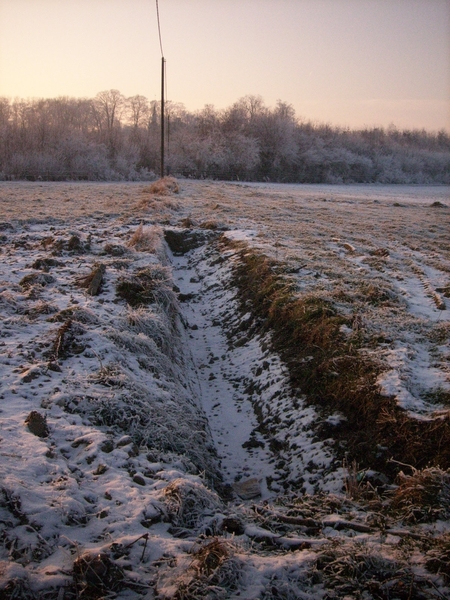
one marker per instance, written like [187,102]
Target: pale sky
[351,63]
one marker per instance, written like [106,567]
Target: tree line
[111,137]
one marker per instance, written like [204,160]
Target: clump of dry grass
[188,501]
[8,301]
[188,223]
[440,304]
[424,496]
[76,246]
[96,576]
[210,555]
[159,197]
[114,249]
[109,375]
[40,307]
[44,264]
[356,485]
[148,285]
[211,224]
[438,558]
[16,588]
[440,334]
[93,281]
[75,313]
[377,295]
[165,186]
[214,572]
[146,239]
[12,502]
[355,571]
[36,279]
[153,323]
[438,396]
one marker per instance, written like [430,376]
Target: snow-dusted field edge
[148,409]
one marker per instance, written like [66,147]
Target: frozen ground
[148,409]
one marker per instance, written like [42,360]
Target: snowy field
[151,442]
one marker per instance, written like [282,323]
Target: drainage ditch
[261,429]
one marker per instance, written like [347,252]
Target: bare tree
[108,107]
[139,111]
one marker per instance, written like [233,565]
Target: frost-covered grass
[287,321]
[334,370]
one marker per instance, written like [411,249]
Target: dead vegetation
[44,264]
[96,575]
[214,571]
[423,497]
[146,286]
[74,313]
[36,280]
[438,557]
[358,572]
[159,196]
[73,245]
[67,342]
[188,501]
[146,239]
[333,372]
[164,186]
[303,546]
[93,281]
[114,249]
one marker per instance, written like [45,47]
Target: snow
[224,376]
[156,401]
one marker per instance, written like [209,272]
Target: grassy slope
[333,373]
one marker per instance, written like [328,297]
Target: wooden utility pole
[162,117]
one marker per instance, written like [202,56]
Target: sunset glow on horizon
[351,63]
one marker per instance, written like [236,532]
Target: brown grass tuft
[187,502]
[165,186]
[146,239]
[211,555]
[209,224]
[148,285]
[424,496]
[214,573]
[93,281]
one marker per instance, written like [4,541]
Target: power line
[159,29]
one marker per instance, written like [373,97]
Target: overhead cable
[159,29]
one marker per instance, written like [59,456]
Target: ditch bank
[264,433]
[289,397]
